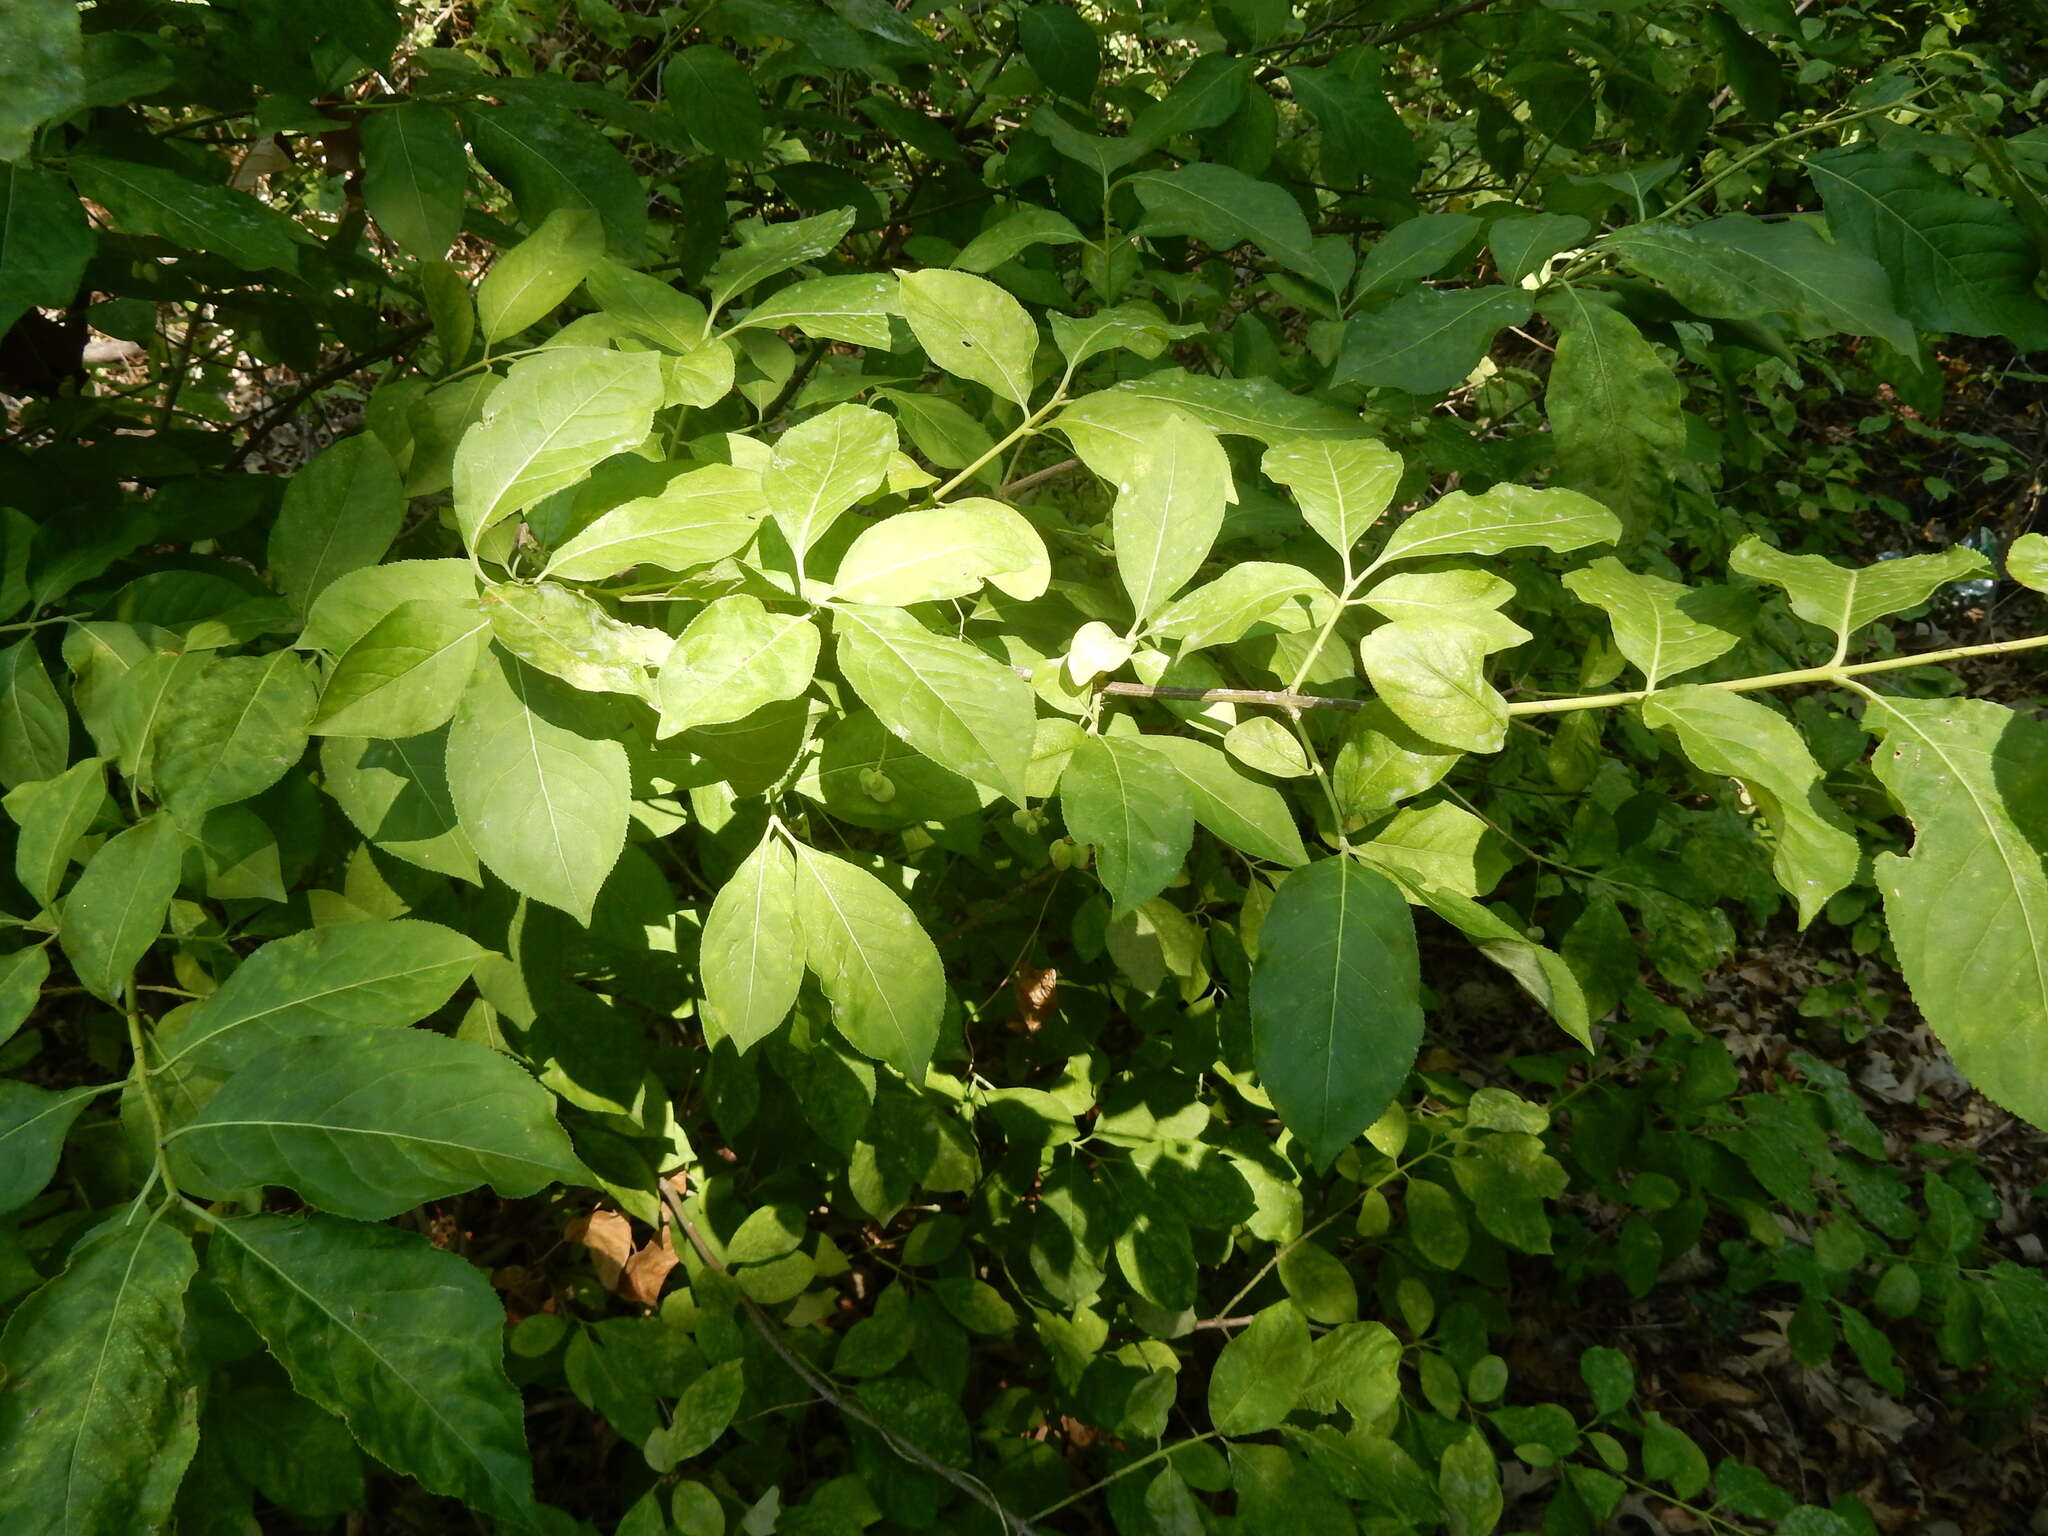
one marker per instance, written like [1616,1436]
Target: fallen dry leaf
[609,1237]
[641,1280]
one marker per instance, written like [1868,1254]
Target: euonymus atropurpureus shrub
[860,551]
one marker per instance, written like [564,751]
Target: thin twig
[822,1385]
[264,422]
[1024,483]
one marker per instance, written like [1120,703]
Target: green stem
[140,1046]
[1123,1472]
[1024,429]
[1834,674]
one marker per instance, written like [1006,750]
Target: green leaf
[948,700]
[1260,1376]
[698,517]
[824,465]
[340,514]
[33,1125]
[1741,268]
[53,815]
[396,794]
[1522,244]
[415,176]
[407,675]
[1427,341]
[1957,262]
[199,215]
[972,329]
[2027,561]
[1015,233]
[1968,906]
[1843,599]
[398,1338]
[939,427]
[876,965]
[1381,762]
[544,803]
[1129,803]
[704,1411]
[45,243]
[853,309]
[370,1123]
[1614,411]
[647,307]
[1671,1457]
[22,975]
[1664,627]
[766,249]
[1061,48]
[1507,1177]
[531,278]
[1432,675]
[35,727]
[1248,594]
[550,160]
[1723,733]
[113,914]
[100,1416]
[326,981]
[1412,250]
[734,657]
[551,421]
[42,75]
[1319,1284]
[1266,746]
[717,99]
[352,605]
[1341,487]
[567,635]
[1540,972]
[752,953]
[941,552]
[1497,520]
[233,732]
[1251,817]
[1468,1481]
[1168,511]
[1336,1016]
[1224,208]
[1442,845]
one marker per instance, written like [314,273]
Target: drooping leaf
[53,814]
[1427,341]
[548,159]
[878,967]
[33,1124]
[100,1415]
[352,605]
[972,329]
[945,698]
[199,215]
[716,98]
[415,175]
[531,278]
[398,1338]
[734,657]
[1061,48]
[1168,511]
[543,803]
[647,307]
[766,249]
[1817,852]
[1614,411]
[945,551]
[1664,627]
[326,981]
[340,514]
[1129,803]
[1251,817]
[1342,487]
[555,416]
[1967,908]
[1432,675]
[698,517]
[407,675]
[369,1123]
[753,947]
[112,916]
[35,727]
[45,243]
[1223,208]
[1336,1016]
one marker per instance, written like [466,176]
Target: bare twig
[1023,483]
[262,424]
[822,1385]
